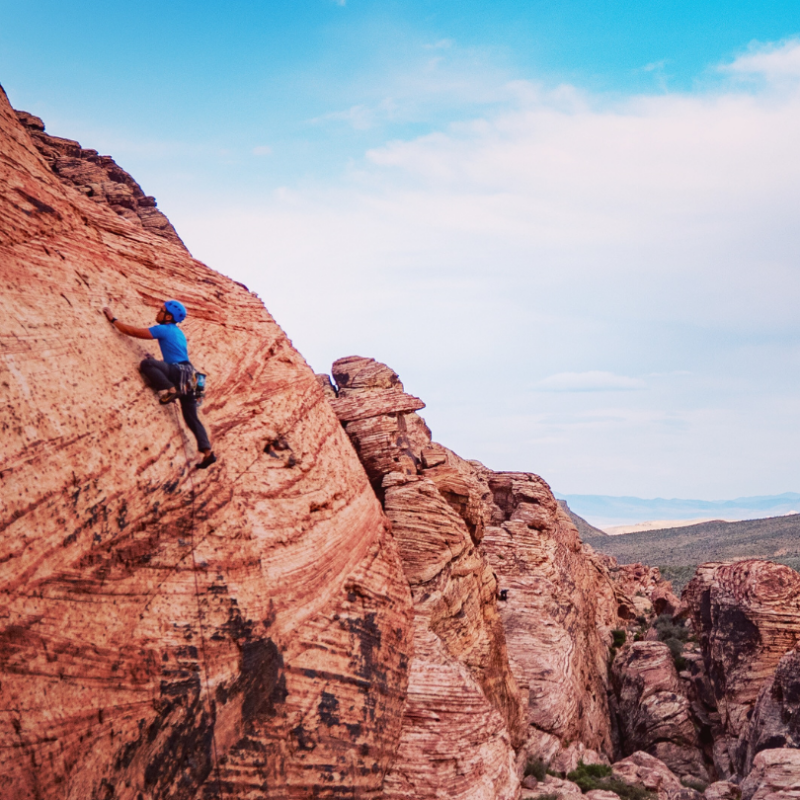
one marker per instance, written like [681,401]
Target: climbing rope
[199,607]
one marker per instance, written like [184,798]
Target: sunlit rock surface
[463,716]
[167,633]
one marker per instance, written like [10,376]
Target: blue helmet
[177,309]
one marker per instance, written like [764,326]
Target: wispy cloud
[654,235]
[432,80]
[360,117]
[592,381]
[262,150]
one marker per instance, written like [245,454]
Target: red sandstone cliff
[166,633]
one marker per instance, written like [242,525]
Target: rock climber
[172,375]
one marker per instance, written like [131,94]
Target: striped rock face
[510,657]
[655,714]
[167,633]
[747,614]
[463,716]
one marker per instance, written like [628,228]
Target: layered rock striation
[504,592]
[747,616]
[341,606]
[654,712]
[165,633]
[99,178]
[462,720]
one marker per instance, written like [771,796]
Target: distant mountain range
[603,511]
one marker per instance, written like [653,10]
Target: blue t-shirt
[172,343]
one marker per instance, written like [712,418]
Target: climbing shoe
[169,397]
[207,461]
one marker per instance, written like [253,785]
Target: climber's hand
[107,312]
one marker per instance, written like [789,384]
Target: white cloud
[771,61]
[592,381]
[262,150]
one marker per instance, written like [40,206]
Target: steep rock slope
[512,613]
[553,614]
[463,715]
[166,633]
[776,716]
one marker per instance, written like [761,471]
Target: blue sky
[571,227]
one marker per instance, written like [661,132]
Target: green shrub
[694,783]
[675,646]
[667,629]
[598,776]
[626,791]
[549,796]
[537,768]
[588,772]
[674,636]
[619,637]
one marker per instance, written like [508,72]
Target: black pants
[160,376]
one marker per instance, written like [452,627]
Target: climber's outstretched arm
[128,330]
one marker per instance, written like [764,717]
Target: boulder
[654,713]
[568,759]
[642,769]
[563,789]
[723,790]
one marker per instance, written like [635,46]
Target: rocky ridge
[99,178]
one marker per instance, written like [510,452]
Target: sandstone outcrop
[99,178]
[341,607]
[747,615]
[463,716]
[166,633]
[528,600]
[775,721]
[655,714]
[638,590]
[551,613]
